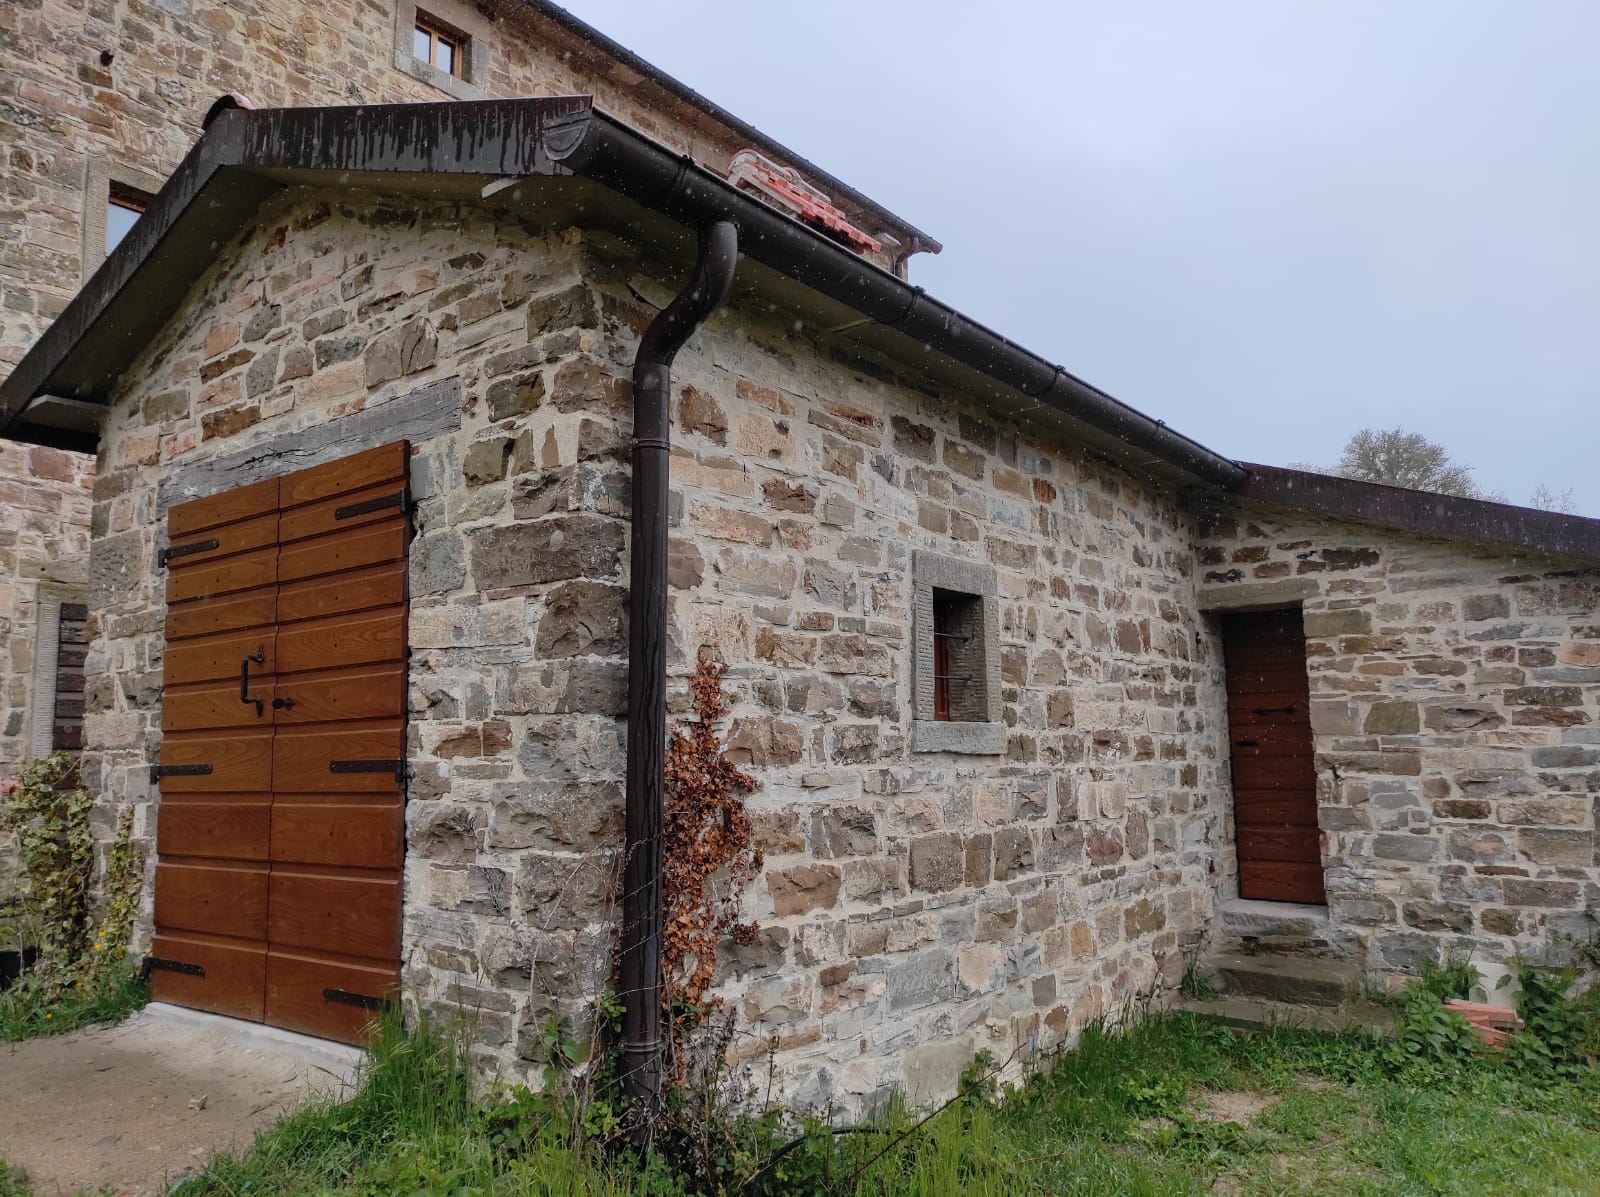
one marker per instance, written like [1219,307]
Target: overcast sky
[1270,224]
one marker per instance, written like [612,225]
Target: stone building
[99,103]
[981,854]
[1043,696]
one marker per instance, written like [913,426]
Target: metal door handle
[260,658]
[283,704]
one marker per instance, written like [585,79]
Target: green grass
[108,996]
[14,1182]
[1137,1112]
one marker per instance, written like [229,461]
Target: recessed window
[958,680]
[124,206]
[441,47]
[956,669]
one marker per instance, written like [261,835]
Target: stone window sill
[976,739]
[434,77]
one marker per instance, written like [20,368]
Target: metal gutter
[634,165]
[501,138]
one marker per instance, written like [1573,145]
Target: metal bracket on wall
[399,499]
[157,772]
[186,550]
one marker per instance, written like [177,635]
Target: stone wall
[1455,706]
[72,122]
[44,549]
[915,907]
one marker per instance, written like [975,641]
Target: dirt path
[131,1108]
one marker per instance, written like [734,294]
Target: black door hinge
[399,499]
[346,998]
[157,772]
[398,768]
[172,966]
[186,550]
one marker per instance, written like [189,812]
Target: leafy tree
[1395,457]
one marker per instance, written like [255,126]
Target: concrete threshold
[341,1061]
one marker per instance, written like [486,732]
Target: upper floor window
[124,206]
[439,46]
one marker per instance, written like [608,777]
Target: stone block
[1414,848]
[1392,719]
[804,888]
[844,831]
[584,618]
[1572,848]
[938,861]
[553,549]
[922,979]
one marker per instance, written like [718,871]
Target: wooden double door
[1274,766]
[281,828]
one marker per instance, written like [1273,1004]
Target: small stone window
[115,196]
[438,45]
[447,45]
[124,206]
[957,663]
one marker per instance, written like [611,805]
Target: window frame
[438,32]
[470,28]
[101,181]
[955,583]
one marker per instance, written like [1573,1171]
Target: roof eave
[1549,533]
[512,138]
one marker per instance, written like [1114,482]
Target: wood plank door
[1274,773]
[283,758]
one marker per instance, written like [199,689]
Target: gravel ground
[132,1108]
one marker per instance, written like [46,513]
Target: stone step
[1288,923]
[1257,1014]
[1293,979]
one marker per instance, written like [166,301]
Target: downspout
[639,969]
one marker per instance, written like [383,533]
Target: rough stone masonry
[917,906]
[1455,706]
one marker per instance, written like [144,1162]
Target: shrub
[82,973]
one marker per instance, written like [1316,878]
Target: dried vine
[708,850]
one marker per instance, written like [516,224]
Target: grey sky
[1270,223]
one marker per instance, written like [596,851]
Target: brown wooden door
[1274,775]
[281,824]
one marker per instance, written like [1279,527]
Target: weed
[1117,1114]
[14,1182]
[108,994]
[1197,983]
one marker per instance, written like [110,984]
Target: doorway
[1274,770]
[281,823]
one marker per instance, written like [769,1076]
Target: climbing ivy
[50,815]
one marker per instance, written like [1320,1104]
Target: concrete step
[1255,1014]
[1293,979]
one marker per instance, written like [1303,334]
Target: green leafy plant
[1429,1034]
[49,815]
[82,974]
[1558,1034]
[978,1084]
